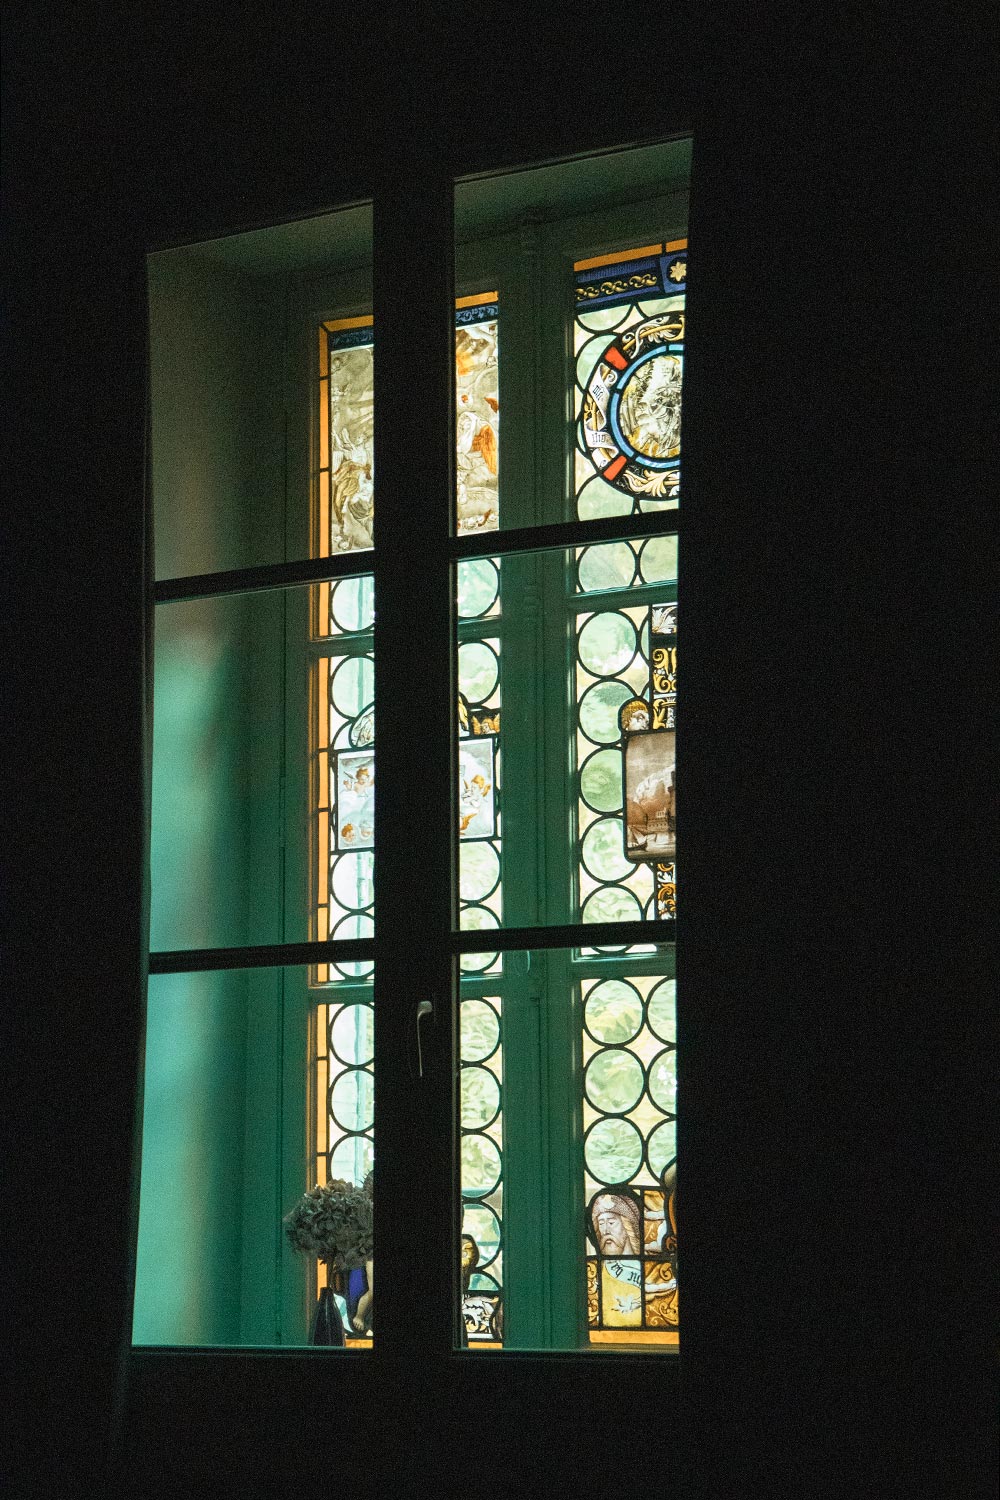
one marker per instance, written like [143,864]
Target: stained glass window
[344,781]
[344,774]
[345,474]
[626,717]
[564,718]
[477,425]
[629,1090]
[479,815]
[344,769]
[344,1111]
[481,1158]
[588,639]
[629,340]
[347,426]
[626,681]
[629,347]
[583,642]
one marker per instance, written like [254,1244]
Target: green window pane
[612,289]
[585,741]
[224,1179]
[218,765]
[588,1140]
[236,425]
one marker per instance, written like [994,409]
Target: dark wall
[835,1243]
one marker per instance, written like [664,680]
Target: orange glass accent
[322,1122]
[321,547]
[634,1336]
[618,258]
[336,325]
[324,424]
[323,705]
[478,299]
[322,973]
[324,353]
[322,609]
[323,855]
[322,924]
[674,245]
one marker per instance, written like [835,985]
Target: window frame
[415,217]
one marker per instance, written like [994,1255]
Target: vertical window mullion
[415,700]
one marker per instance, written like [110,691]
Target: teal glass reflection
[221,820]
[235,1132]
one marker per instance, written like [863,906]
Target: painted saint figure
[617,1224]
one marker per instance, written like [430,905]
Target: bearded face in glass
[616,1225]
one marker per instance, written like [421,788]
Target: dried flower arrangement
[333,1221]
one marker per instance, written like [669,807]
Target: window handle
[425,1008]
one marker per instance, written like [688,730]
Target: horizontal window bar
[360,950]
[350,564]
[574,935]
[359,1362]
[359,643]
[564,534]
[267,956]
[268,576]
[625,597]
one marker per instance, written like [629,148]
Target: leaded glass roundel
[613,1150]
[480,1097]
[480,1028]
[484,1226]
[632,408]
[352,1034]
[613,1081]
[481,1164]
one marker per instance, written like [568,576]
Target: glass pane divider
[631,965]
[633,597]
[265,956]
[267,576]
[479,628]
[572,935]
[322,646]
[564,534]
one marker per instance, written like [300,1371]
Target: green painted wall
[209,1242]
[188,1271]
[217,430]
